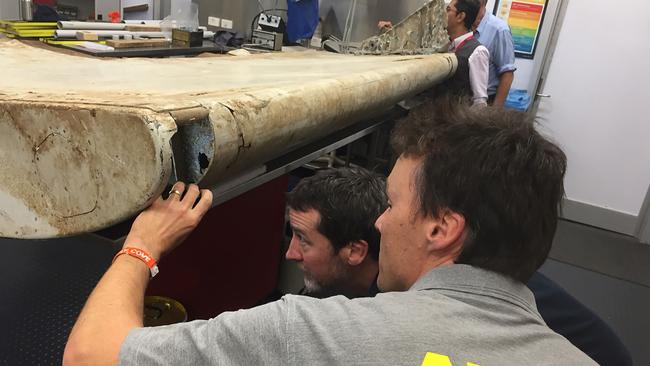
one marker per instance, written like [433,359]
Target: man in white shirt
[473,58]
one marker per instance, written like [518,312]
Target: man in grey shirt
[336,245]
[473,202]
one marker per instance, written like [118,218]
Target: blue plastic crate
[518,99]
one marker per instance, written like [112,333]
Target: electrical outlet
[269,20]
[226,23]
[262,19]
[214,21]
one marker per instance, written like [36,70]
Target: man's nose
[379,221]
[293,252]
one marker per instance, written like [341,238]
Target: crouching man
[472,210]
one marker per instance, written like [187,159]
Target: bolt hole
[203,162]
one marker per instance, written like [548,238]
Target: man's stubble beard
[336,285]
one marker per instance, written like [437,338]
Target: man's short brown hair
[492,166]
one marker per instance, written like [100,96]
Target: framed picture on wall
[525,19]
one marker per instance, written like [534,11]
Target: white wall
[104,7]
[9,9]
[599,80]
[596,80]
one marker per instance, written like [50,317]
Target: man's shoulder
[497,23]
[379,304]
[428,320]
[481,49]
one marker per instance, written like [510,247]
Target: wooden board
[88,142]
[87,36]
[137,43]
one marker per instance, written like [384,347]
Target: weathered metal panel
[69,169]
[368,13]
[88,142]
[423,32]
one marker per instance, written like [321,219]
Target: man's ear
[355,252]
[461,16]
[445,231]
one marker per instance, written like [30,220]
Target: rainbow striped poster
[525,19]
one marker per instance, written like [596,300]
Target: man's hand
[384,25]
[120,293]
[166,223]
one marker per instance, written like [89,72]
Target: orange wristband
[141,255]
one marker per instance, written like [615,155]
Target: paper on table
[95,46]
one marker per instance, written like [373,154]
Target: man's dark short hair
[349,201]
[471,9]
[493,167]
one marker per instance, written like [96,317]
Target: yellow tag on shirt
[434,359]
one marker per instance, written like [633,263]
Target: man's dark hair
[349,201]
[493,167]
[470,8]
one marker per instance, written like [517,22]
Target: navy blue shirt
[568,317]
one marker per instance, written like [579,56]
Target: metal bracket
[275,168]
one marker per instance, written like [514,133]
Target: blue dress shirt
[495,35]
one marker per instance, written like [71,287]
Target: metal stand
[294,159]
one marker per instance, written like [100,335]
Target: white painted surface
[103,7]
[22,218]
[596,87]
[598,80]
[9,9]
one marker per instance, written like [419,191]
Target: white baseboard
[601,217]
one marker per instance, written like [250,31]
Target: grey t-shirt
[459,312]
